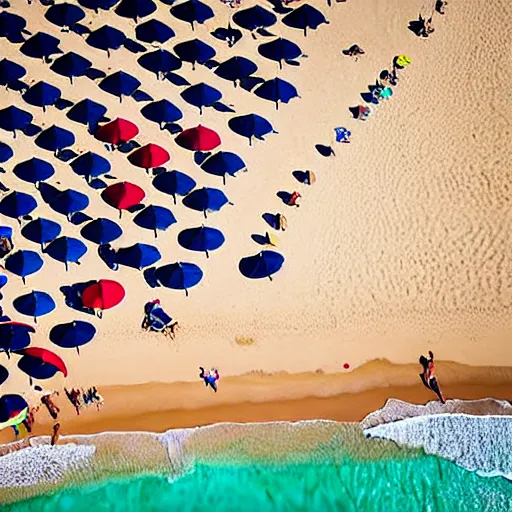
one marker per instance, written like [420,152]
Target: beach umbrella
[201,239]
[34,304]
[55,139]
[280,49]
[149,156]
[41,231]
[102,295]
[12,118]
[90,165]
[87,112]
[11,24]
[122,195]
[159,61]
[66,250]
[10,407]
[236,68]
[101,231]
[72,334]
[174,183]
[304,17]
[154,31]
[64,15]
[201,95]
[261,265]
[254,18]
[70,65]
[106,38]
[155,218]
[120,84]
[251,125]
[223,163]
[10,72]
[6,152]
[41,363]
[42,95]
[40,46]
[194,51]
[138,256]
[192,11]
[14,336]
[4,374]
[117,131]
[17,204]
[161,112]
[198,138]
[34,170]
[98,4]
[206,200]
[24,263]
[179,276]
[135,9]
[3,280]
[276,90]
[68,202]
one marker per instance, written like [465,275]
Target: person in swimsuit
[210,379]
[428,377]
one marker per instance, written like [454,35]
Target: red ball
[346,366]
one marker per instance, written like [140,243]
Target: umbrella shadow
[284,196]
[325,150]
[48,192]
[136,208]
[150,277]
[300,176]
[73,296]
[260,239]
[270,219]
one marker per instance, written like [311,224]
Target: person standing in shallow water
[428,377]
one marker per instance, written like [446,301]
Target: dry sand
[401,246]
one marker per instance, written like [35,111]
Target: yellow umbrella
[281,222]
[16,420]
[271,239]
[310,177]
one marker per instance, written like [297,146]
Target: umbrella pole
[270,277]
[156,234]
[66,265]
[78,350]
[23,279]
[120,213]
[207,255]
[186,292]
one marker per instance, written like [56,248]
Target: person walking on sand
[56,434]
[428,377]
[211,378]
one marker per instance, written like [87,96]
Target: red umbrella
[199,138]
[104,294]
[46,356]
[117,131]
[123,195]
[149,156]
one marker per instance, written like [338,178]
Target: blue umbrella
[55,139]
[70,65]
[159,61]
[254,18]
[236,68]
[42,95]
[201,95]
[6,152]
[304,17]
[66,249]
[17,204]
[179,276]
[174,183]
[87,112]
[90,165]
[162,112]
[101,231]
[120,84]
[10,404]
[34,170]
[154,31]
[155,218]
[69,202]
[73,334]
[280,49]
[261,265]
[41,231]
[11,24]
[138,256]
[10,72]
[4,374]
[64,15]
[34,304]
[192,11]
[98,4]
[202,239]
[106,38]
[194,51]
[276,90]
[134,9]
[251,125]
[40,46]
[206,200]
[14,336]
[12,118]
[223,163]
[24,263]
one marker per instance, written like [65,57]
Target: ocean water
[313,466]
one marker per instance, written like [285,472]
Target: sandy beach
[400,247]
